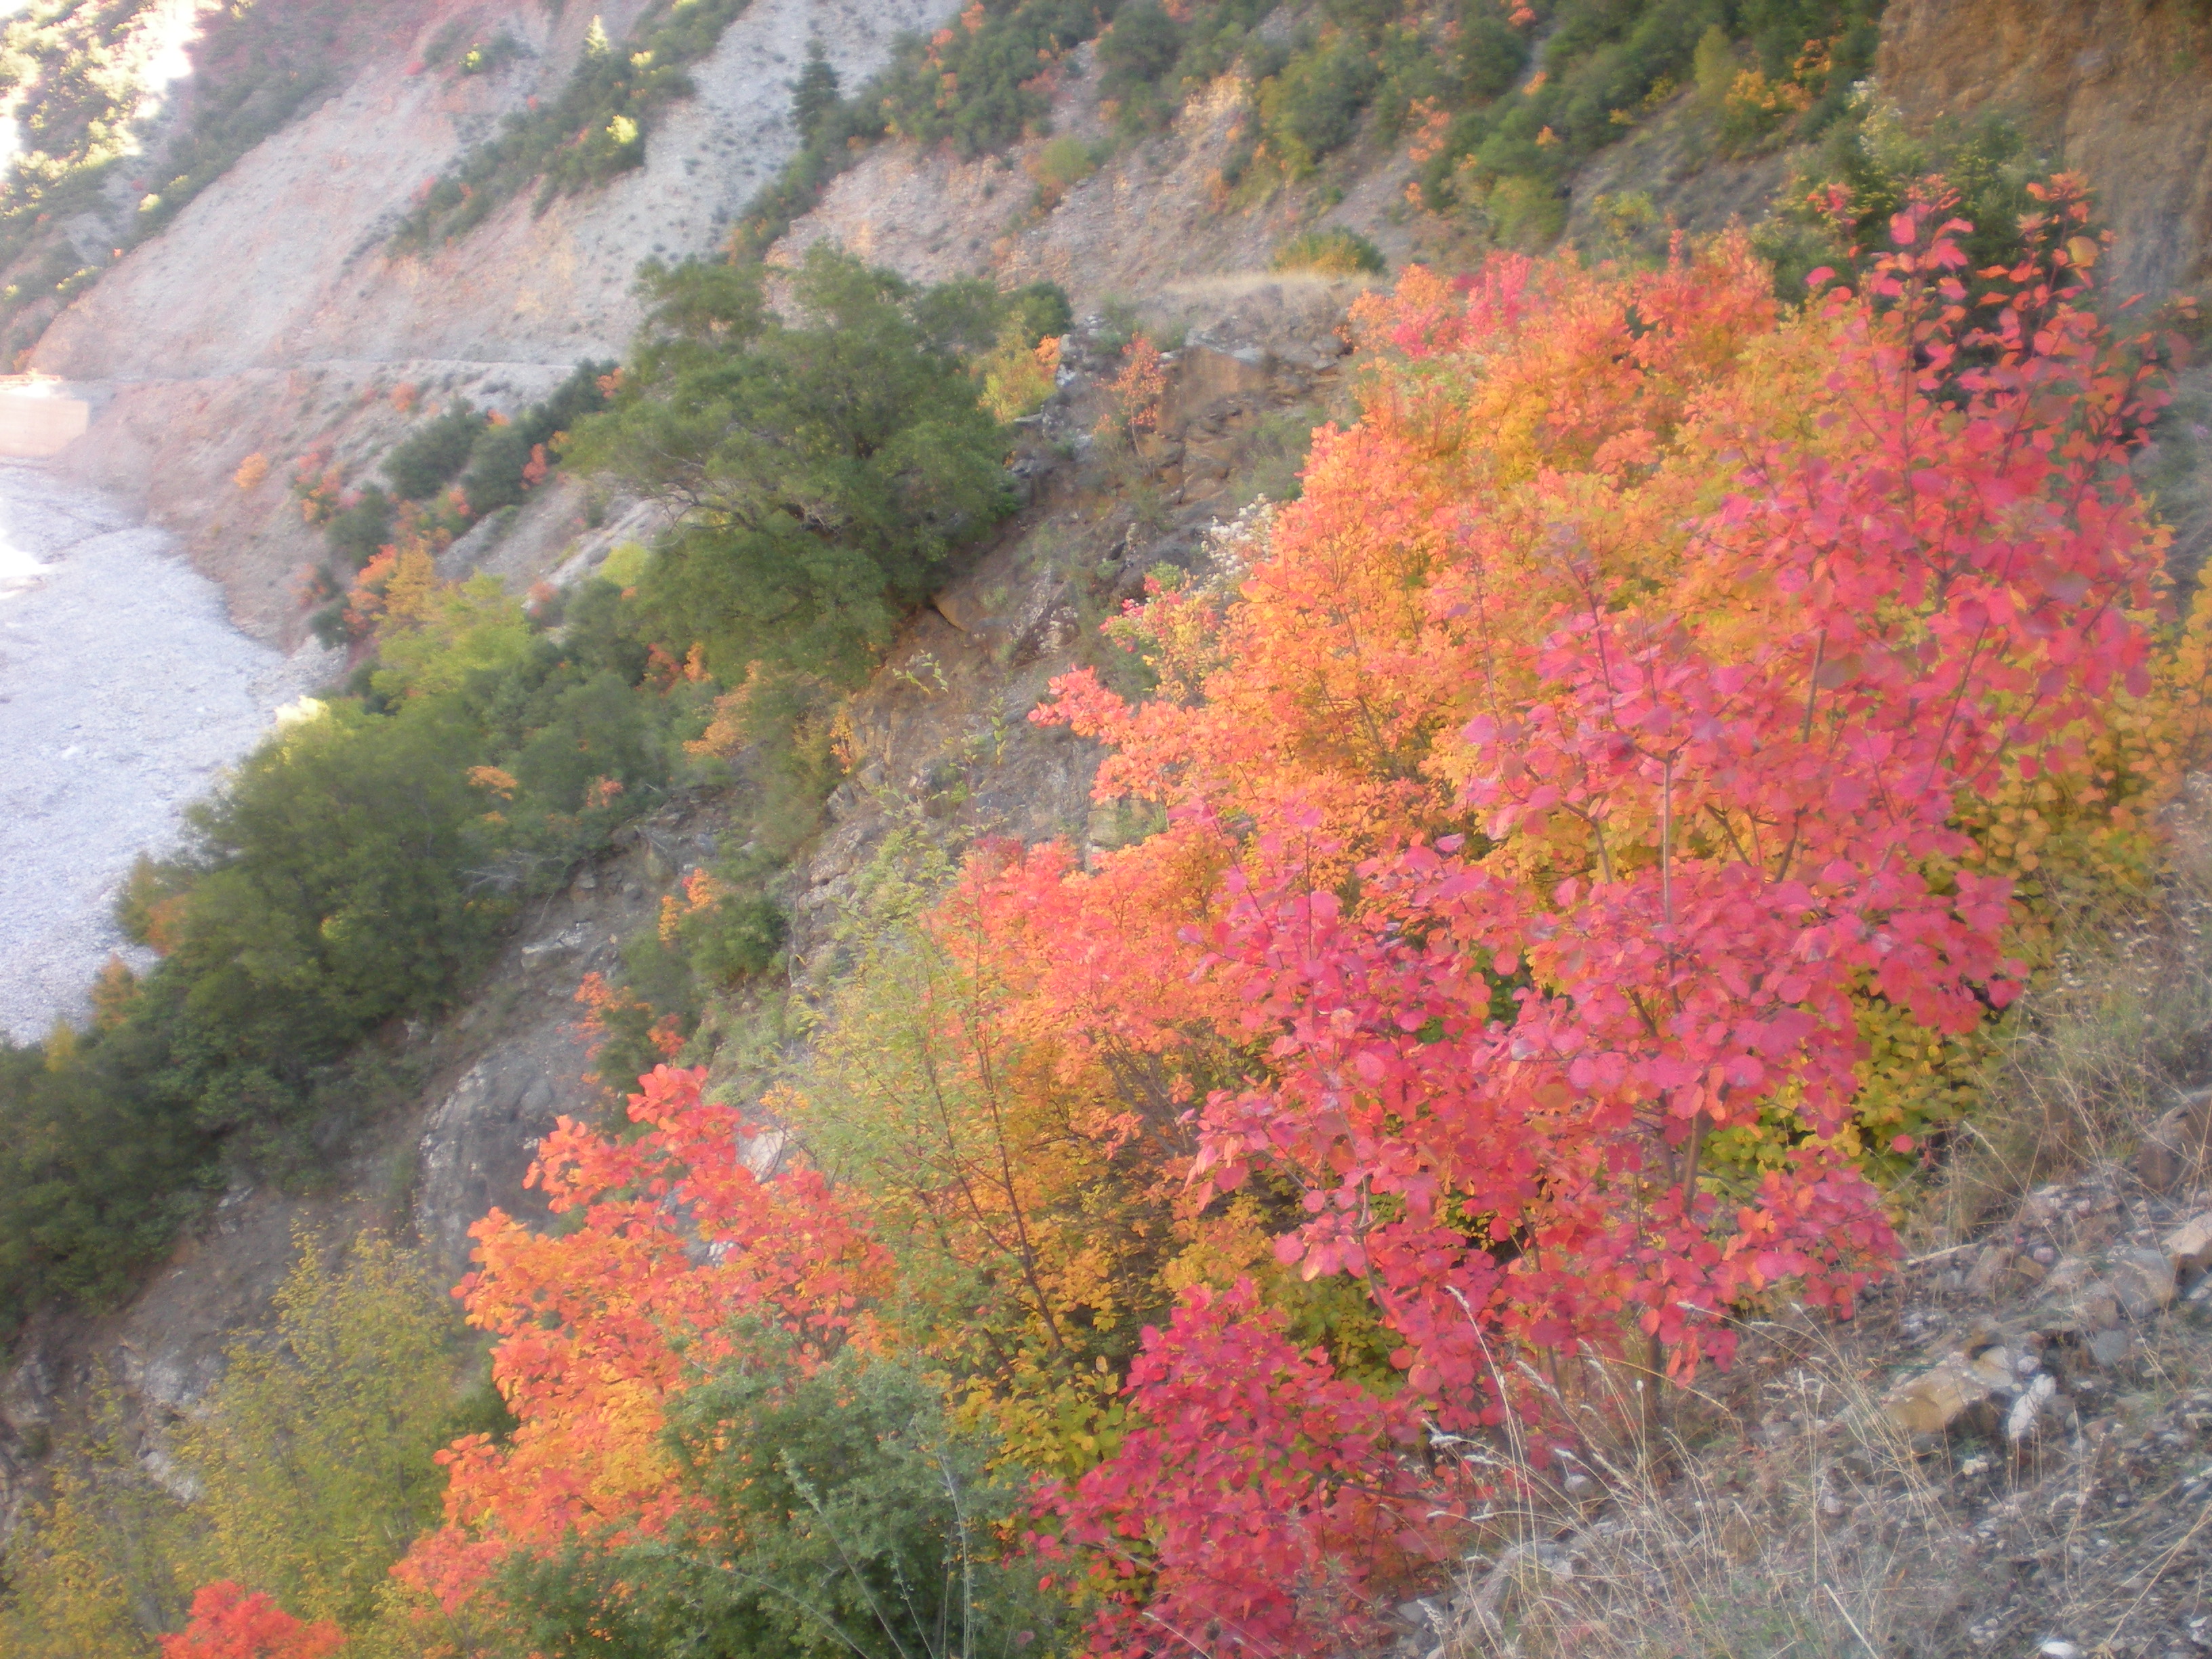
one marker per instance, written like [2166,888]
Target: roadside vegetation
[356,871]
[1157,1242]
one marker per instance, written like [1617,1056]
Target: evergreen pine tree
[814,94]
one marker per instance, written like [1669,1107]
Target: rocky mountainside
[273,317]
[2119,92]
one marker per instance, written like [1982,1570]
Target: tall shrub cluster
[353,874]
[826,466]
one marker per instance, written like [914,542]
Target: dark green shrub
[738,938]
[1489,55]
[593,732]
[494,479]
[1140,47]
[328,894]
[841,1514]
[432,456]
[357,531]
[988,102]
[1313,107]
[832,466]
[96,1172]
[814,94]
[1043,311]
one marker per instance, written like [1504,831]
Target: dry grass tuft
[2098,1047]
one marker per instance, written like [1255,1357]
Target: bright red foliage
[1585,750]
[1253,1514]
[228,1623]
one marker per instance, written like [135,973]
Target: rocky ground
[124,690]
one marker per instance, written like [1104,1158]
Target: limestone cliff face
[2122,90]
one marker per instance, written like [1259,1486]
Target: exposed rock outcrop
[2121,90]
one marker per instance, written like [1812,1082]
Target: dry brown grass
[2096,1048]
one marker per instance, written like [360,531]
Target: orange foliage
[113,993]
[251,470]
[702,893]
[228,1623]
[1134,395]
[599,1325]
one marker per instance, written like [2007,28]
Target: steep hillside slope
[271,317]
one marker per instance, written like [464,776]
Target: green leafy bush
[96,1172]
[354,872]
[977,88]
[314,1454]
[432,456]
[814,97]
[841,1514]
[361,527]
[830,467]
[1314,106]
[1062,164]
[1606,63]
[1836,210]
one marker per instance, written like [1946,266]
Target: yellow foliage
[1017,378]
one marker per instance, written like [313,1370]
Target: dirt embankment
[271,319]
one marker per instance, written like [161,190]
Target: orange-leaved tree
[674,1240]
[231,1623]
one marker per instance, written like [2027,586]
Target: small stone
[1992,1368]
[2142,1281]
[2189,1246]
[1989,1270]
[1932,1401]
[2059,1649]
[2021,1422]
[2175,1147]
[2098,1307]
[2108,1348]
[2069,1276]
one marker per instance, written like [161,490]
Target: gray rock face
[477,1144]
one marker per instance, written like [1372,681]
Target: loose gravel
[124,690]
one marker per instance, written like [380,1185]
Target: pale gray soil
[123,690]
